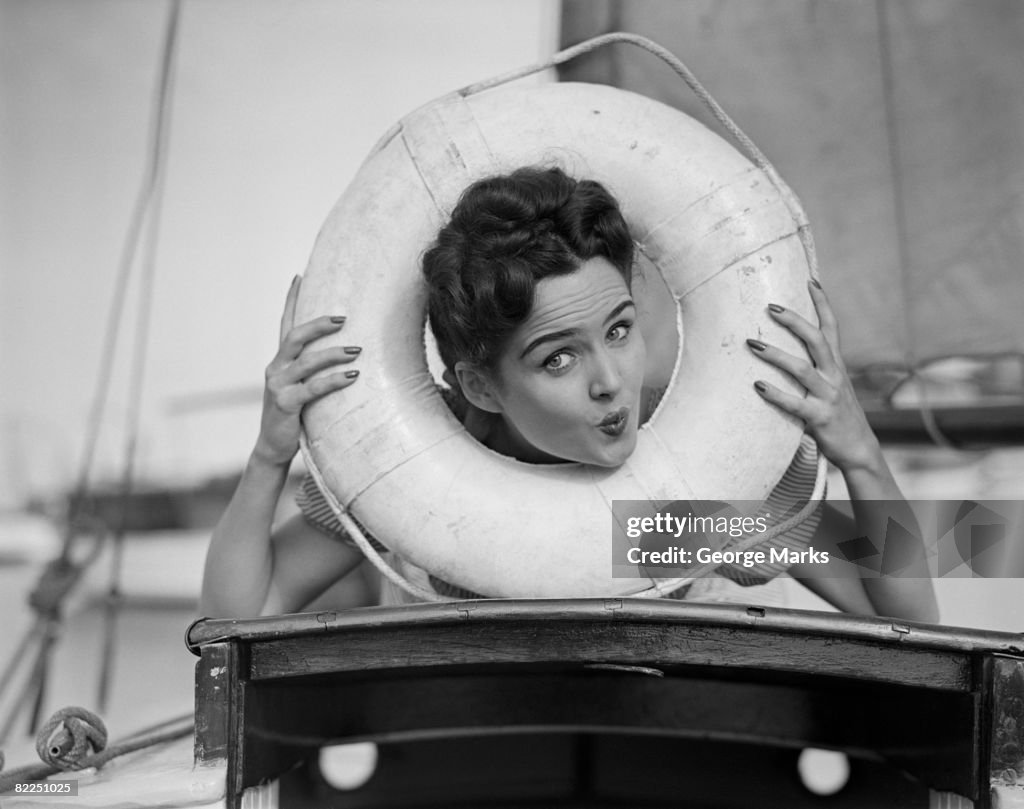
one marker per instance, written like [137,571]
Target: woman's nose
[606,377]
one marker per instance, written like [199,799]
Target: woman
[530,303]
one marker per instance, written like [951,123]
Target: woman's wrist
[866,460]
[263,458]
[871,478]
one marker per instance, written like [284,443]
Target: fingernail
[760,387]
[815,282]
[757,345]
[774,307]
[351,374]
[353,349]
[339,319]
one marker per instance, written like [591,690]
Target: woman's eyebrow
[618,310]
[565,333]
[548,338]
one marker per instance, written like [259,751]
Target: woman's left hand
[830,409]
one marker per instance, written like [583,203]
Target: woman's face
[568,383]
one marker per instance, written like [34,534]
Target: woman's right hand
[288,385]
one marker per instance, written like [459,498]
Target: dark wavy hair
[507,233]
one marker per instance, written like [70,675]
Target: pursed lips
[615,422]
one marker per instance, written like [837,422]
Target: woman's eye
[620,331]
[559,362]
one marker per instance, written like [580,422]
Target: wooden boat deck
[609,702]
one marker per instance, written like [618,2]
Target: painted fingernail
[774,307]
[353,350]
[815,282]
[339,319]
[351,374]
[760,387]
[757,345]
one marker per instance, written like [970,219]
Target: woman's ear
[477,387]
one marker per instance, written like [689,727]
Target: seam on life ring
[740,186]
[374,404]
[736,261]
[698,251]
[464,151]
[738,179]
[354,530]
[419,173]
[669,457]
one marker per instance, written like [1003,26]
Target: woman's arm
[250,569]
[847,589]
[878,503]
[239,561]
[834,417]
[843,587]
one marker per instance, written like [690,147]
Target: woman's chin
[614,453]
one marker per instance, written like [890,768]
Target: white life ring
[390,452]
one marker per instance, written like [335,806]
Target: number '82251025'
[69,787]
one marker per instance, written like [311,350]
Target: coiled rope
[76,739]
[69,736]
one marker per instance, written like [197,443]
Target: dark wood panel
[1005,747]
[214,671]
[928,733]
[619,642]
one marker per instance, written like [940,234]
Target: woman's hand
[288,384]
[836,420]
[830,409]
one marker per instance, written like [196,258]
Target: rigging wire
[148,188]
[155,187]
[63,573]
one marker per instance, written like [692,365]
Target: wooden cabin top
[771,620]
[940,701]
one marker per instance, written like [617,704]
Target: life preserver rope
[727,236]
[749,147]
